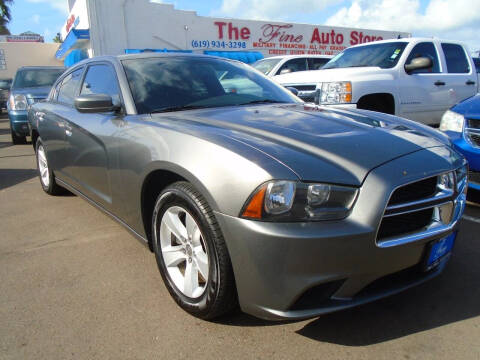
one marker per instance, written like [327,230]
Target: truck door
[424,96]
[462,76]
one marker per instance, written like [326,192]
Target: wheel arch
[157,177]
[383,102]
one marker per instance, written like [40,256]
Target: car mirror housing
[419,63]
[292,90]
[95,103]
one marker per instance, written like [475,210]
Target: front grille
[305,87]
[404,223]
[474,138]
[415,191]
[474,176]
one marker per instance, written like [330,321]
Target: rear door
[462,75]
[424,96]
[51,121]
[90,138]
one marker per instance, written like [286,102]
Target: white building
[111,27]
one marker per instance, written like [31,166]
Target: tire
[17,140]
[47,181]
[211,293]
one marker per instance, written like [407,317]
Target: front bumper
[301,270]
[471,153]
[19,122]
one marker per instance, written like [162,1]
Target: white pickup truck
[416,78]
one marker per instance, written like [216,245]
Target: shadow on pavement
[11,177]
[5,144]
[452,297]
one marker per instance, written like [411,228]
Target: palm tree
[5,16]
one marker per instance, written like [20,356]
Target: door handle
[470,82]
[439,83]
[68,132]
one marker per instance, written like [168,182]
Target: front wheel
[16,140]
[191,253]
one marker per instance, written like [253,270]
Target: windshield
[384,55]
[5,83]
[36,77]
[265,65]
[173,84]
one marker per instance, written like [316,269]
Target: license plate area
[438,250]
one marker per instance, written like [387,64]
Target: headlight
[295,201]
[18,102]
[452,121]
[339,92]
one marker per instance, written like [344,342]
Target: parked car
[416,78]
[4,92]
[277,65]
[476,61]
[288,209]
[462,124]
[30,84]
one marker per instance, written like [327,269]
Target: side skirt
[99,207]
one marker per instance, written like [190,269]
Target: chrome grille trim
[433,229]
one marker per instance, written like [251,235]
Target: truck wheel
[191,253]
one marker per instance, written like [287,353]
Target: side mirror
[285,71]
[419,63]
[95,103]
[292,90]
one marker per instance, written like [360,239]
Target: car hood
[326,75]
[469,108]
[33,92]
[317,143]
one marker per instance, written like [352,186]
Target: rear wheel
[191,253]
[45,173]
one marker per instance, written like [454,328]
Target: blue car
[31,84]
[462,124]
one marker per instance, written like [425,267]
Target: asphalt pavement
[75,285]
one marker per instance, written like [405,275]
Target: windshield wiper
[264,101]
[177,108]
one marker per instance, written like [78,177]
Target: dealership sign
[282,38]
[77,19]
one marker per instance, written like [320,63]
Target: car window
[384,55]
[293,65]
[36,77]
[67,89]
[5,83]
[101,79]
[456,59]
[425,49]
[265,65]
[159,84]
[476,61]
[316,63]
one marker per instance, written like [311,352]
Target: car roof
[408,40]
[298,56]
[41,68]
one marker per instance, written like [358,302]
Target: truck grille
[305,87]
[413,207]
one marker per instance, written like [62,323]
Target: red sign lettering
[234,33]
[70,22]
[275,32]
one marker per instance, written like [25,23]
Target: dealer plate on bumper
[438,250]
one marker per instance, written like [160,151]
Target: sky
[445,19]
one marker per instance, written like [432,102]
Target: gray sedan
[247,196]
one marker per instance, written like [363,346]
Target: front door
[424,95]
